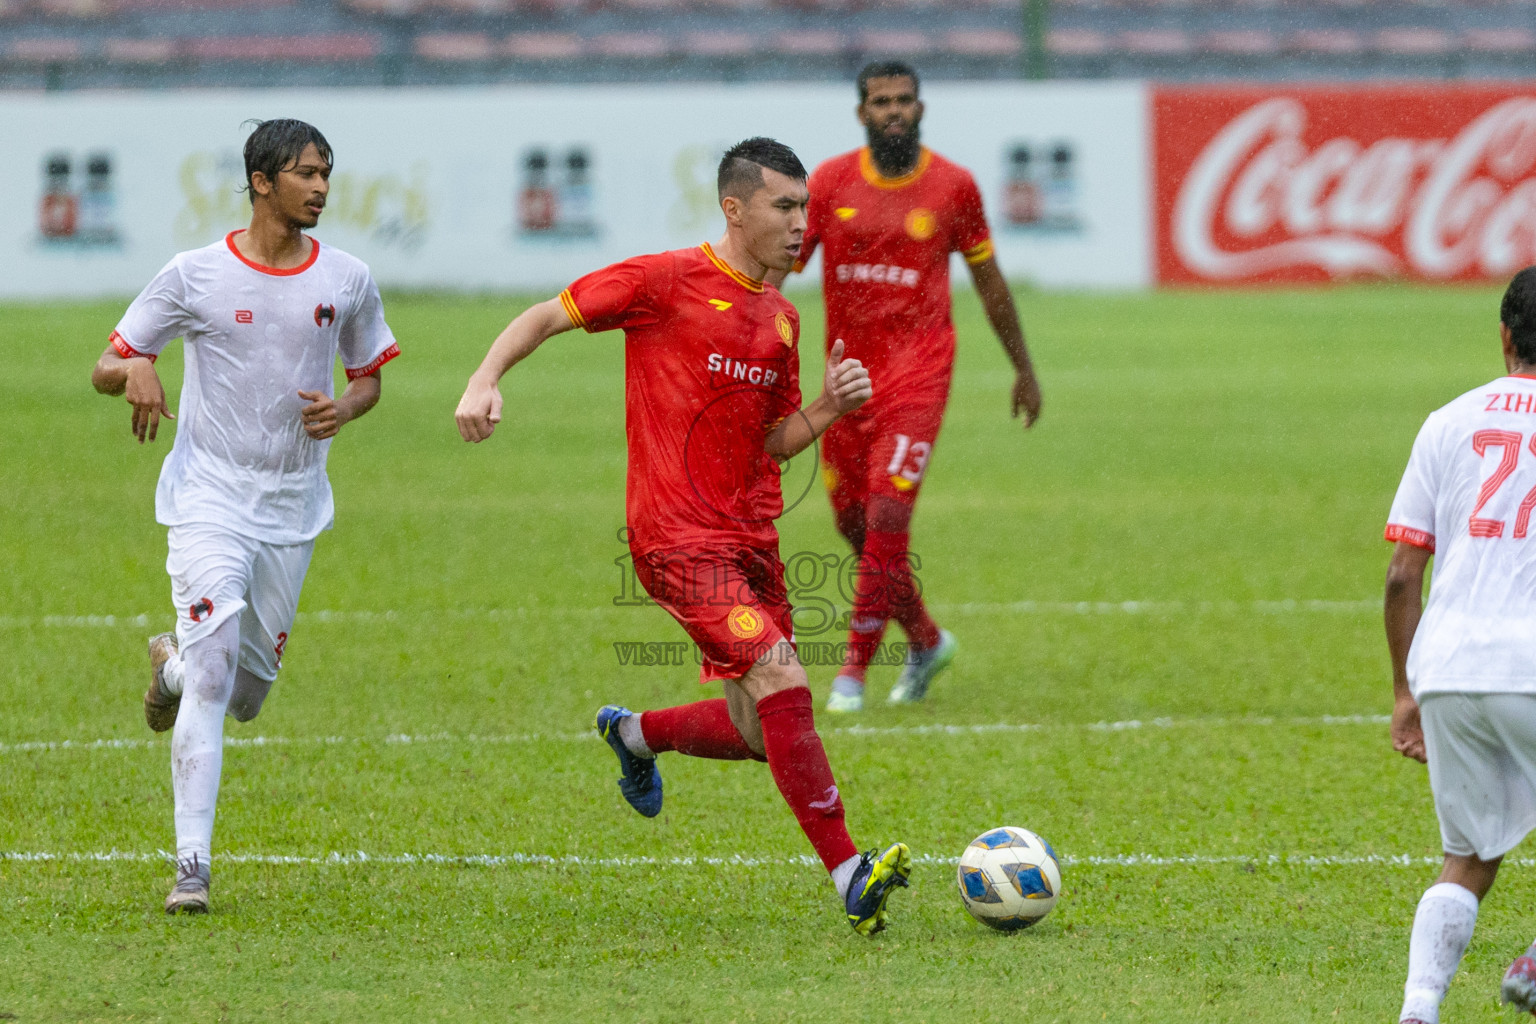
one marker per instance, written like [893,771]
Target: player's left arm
[324,416]
[1003,315]
[1403,606]
[845,387]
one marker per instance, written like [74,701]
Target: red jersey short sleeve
[620,296]
[970,235]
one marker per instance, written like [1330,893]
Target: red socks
[799,765]
[886,589]
[701,729]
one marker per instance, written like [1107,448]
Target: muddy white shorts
[216,574]
[1482,769]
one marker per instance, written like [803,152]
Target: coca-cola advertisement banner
[1434,183]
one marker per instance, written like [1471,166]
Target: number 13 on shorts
[908,462]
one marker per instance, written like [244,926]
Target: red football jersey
[711,365]
[885,269]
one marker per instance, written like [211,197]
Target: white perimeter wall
[427,181]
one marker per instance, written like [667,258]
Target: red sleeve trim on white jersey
[1408,535]
[378,361]
[127,351]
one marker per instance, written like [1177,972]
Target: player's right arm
[127,367]
[136,380]
[480,409]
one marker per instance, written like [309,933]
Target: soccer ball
[1009,878]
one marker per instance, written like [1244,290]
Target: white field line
[359,858]
[144,620]
[473,739]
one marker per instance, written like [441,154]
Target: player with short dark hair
[264,313]
[712,403]
[1464,667]
[887,216]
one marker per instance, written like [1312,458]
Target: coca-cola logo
[1260,200]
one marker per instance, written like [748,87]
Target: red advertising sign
[1330,183]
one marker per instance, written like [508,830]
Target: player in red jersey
[712,403]
[887,216]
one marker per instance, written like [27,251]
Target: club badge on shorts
[746,623]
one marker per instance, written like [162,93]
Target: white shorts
[216,574]
[1482,769]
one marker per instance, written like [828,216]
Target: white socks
[634,739]
[171,674]
[842,876]
[197,744]
[1442,927]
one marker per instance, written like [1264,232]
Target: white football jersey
[254,338]
[1468,495]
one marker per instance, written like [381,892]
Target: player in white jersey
[1464,674]
[264,313]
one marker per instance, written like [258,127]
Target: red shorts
[882,450]
[731,602]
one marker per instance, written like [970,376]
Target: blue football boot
[641,781]
[873,882]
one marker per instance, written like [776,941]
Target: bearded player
[263,312]
[712,403]
[887,217]
[1464,667]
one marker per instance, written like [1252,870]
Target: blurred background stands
[62,44]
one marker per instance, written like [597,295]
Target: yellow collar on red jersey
[731,272]
[874,177]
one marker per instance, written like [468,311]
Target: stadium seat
[719,44]
[1241,43]
[1333,42]
[983,43]
[454,46]
[809,44]
[894,44]
[1413,42]
[396,8]
[647,7]
[310,49]
[631,45]
[1157,42]
[542,46]
[1076,42]
[140,51]
[72,8]
[44,50]
[1503,40]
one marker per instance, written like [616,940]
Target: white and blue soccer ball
[1009,878]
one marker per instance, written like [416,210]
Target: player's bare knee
[1470,872]
[250,694]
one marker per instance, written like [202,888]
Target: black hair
[1518,313]
[741,169]
[277,143]
[885,69]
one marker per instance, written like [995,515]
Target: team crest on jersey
[746,623]
[846,213]
[325,315]
[921,224]
[200,609]
[785,329]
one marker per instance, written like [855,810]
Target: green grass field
[1225,460]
